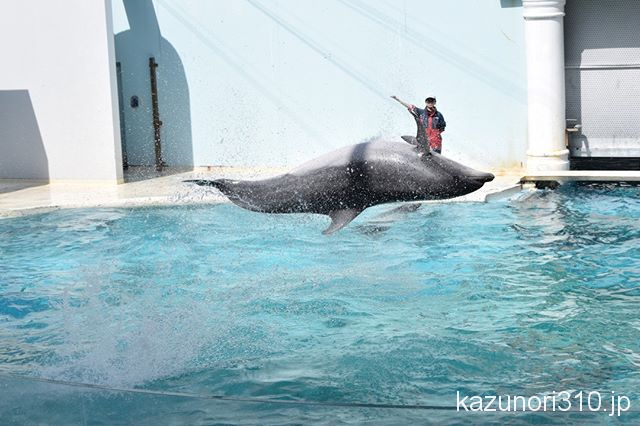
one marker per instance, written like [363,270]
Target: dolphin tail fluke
[203,182]
[222,184]
[340,219]
[233,190]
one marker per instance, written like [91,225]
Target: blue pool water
[526,296]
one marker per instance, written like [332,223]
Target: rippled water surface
[526,296]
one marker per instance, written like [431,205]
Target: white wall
[56,65]
[254,82]
[274,83]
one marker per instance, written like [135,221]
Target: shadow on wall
[22,153]
[134,47]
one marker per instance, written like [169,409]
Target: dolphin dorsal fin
[340,219]
[410,139]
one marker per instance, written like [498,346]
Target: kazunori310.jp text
[594,401]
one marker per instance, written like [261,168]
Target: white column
[544,37]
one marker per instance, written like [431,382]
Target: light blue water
[526,296]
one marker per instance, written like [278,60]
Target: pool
[149,315]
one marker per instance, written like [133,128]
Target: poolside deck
[583,176]
[149,188]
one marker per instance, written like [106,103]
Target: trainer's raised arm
[406,105]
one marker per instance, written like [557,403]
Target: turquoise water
[526,296]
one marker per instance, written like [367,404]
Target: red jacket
[434,125]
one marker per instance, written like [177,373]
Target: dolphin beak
[482,178]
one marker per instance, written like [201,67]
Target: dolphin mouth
[482,179]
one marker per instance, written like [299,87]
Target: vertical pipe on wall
[156,113]
[544,37]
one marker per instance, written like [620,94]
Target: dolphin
[342,183]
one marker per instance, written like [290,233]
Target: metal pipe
[157,123]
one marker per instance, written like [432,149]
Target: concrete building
[58,92]
[88,87]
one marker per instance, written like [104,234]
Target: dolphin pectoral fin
[410,139]
[340,219]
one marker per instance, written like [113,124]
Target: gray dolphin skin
[342,183]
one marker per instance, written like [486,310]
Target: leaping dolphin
[342,183]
